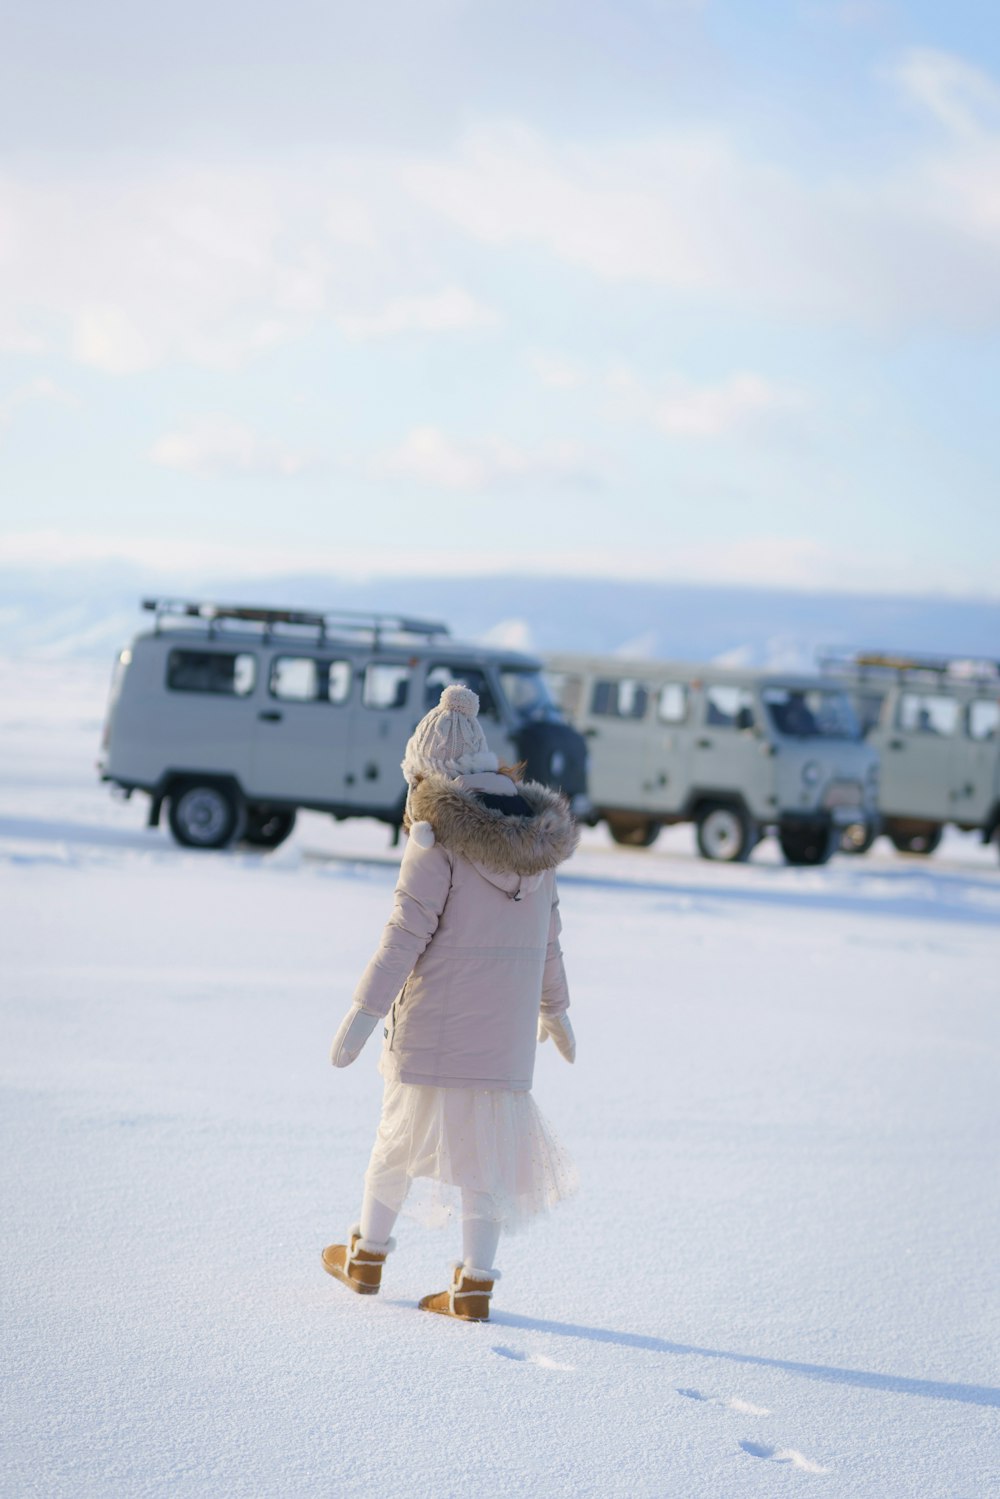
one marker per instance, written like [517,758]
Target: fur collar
[508,845]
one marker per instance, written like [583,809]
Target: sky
[697,289]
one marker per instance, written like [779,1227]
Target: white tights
[480,1228]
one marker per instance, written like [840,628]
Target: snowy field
[778,1278]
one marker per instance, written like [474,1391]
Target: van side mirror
[744,718]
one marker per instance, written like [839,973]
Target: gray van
[935,722]
[235,716]
[738,753]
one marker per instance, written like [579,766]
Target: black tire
[205,814]
[267,827]
[634,834]
[858,838]
[808,845]
[923,842]
[725,833]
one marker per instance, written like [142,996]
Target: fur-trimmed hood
[525,844]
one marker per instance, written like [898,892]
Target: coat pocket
[397,1006]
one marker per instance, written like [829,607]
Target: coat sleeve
[421,892]
[555,991]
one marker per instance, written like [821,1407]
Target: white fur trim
[473,1274]
[422,834]
[370,1246]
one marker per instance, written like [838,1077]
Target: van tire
[808,845]
[725,833]
[268,827]
[632,833]
[923,842]
[206,814]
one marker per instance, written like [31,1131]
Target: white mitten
[559,1028]
[355,1028]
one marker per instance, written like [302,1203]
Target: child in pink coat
[468,977]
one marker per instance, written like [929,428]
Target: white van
[935,722]
[738,753]
[236,716]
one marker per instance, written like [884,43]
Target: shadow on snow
[894,1384]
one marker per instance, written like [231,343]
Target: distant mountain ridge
[89,612]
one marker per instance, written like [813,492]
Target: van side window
[984,718]
[673,703]
[622,697]
[729,707]
[303,679]
[386,685]
[439,677]
[294,679]
[928,713]
[229,673]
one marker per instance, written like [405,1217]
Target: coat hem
[395,1073]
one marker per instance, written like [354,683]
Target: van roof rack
[959,668]
[326,622]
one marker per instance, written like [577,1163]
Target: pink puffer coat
[471,950]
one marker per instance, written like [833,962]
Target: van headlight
[811,773]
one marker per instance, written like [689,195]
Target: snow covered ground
[779,1276]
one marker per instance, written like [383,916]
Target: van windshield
[528,694]
[811,713]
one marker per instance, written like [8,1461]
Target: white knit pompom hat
[449,740]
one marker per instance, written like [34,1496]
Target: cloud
[715,410]
[964,99]
[146,261]
[219,446]
[41,388]
[696,211]
[428,456]
[164,262]
[558,372]
[450,311]
[679,407]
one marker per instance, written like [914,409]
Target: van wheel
[633,834]
[923,842]
[808,845]
[267,827]
[725,833]
[205,816]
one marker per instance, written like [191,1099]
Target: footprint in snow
[783,1455]
[728,1402]
[540,1360]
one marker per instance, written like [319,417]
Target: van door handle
[270,716]
[897,744]
[591,733]
[704,744]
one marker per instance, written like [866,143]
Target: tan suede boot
[358,1264]
[468,1296]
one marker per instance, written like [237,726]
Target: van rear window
[228,673]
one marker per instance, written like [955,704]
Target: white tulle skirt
[488,1147]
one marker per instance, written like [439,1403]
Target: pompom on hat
[449,740]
